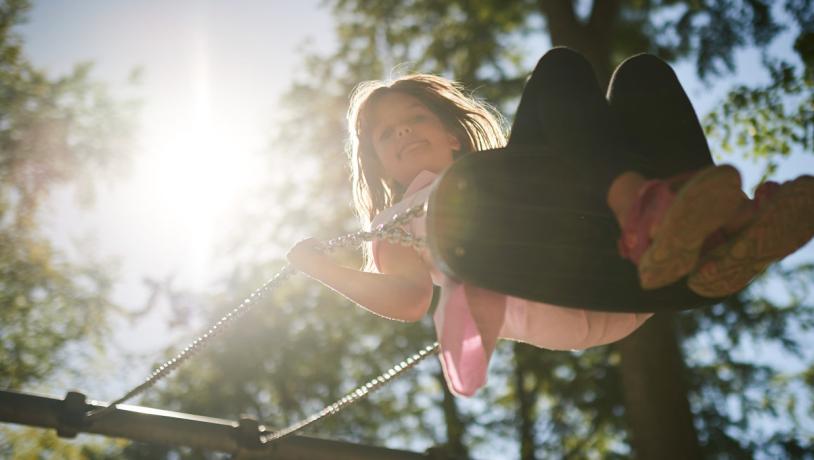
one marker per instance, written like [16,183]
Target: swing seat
[535,225]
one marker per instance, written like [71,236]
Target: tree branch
[603,17]
[563,26]
[454,423]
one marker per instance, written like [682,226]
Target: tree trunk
[652,367]
[656,394]
[455,447]
[526,400]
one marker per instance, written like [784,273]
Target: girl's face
[409,138]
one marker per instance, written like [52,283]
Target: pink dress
[469,320]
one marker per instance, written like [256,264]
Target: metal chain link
[359,393]
[390,231]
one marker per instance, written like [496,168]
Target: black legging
[646,124]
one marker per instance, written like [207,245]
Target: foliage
[758,119]
[35,443]
[734,393]
[53,132]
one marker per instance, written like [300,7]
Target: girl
[404,134]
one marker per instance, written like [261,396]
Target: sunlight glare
[196,166]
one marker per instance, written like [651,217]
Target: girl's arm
[402,291]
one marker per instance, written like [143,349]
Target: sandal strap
[764,193]
[652,202]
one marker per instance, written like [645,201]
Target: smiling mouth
[409,148]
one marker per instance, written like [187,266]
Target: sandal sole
[703,205]
[786,224]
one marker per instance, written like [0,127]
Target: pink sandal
[784,222]
[654,198]
[666,231]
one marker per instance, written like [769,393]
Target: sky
[212,73]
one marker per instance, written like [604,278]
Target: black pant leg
[656,118]
[564,109]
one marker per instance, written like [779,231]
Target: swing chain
[198,344]
[389,231]
[359,393]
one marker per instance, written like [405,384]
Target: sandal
[665,232]
[784,223]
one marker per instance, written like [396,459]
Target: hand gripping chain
[391,232]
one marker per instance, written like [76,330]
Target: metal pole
[174,428]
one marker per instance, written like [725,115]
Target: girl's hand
[304,256]
[402,290]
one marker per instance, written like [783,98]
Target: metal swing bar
[240,438]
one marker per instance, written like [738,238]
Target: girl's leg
[658,126]
[659,123]
[662,130]
[656,118]
[563,108]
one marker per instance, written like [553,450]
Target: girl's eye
[386,134]
[420,117]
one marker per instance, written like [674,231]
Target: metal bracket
[247,433]
[72,415]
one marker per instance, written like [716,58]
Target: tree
[53,132]
[641,396]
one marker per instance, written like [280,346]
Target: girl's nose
[404,130]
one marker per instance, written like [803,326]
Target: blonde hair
[476,125]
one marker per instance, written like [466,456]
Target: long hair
[476,125]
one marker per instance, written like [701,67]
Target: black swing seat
[535,225]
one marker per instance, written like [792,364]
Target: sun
[196,164]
